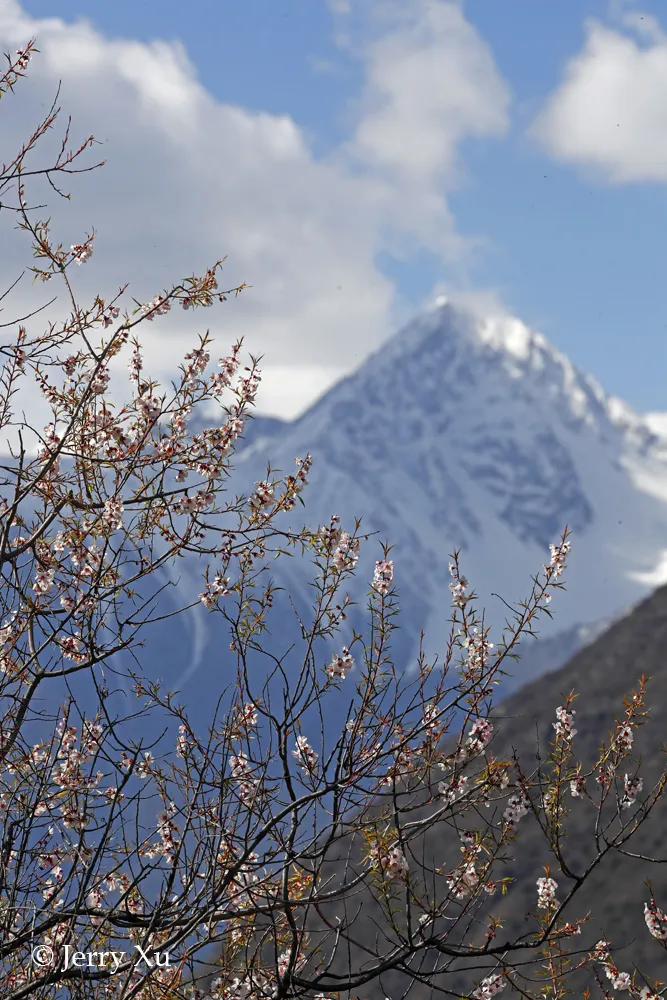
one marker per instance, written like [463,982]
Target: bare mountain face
[478,435]
[603,675]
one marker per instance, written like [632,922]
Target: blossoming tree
[225,864]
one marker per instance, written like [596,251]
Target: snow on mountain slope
[479,435]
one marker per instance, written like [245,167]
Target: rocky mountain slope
[603,675]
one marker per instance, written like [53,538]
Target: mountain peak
[472,432]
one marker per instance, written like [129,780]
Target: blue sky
[533,199]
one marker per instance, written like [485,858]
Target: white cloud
[190,179]
[610,111]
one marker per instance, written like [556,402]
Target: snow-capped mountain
[476,434]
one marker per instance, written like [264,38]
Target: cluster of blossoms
[479,736]
[86,559]
[44,577]
[633,787]
[23,58]
[656,921]
[148,408]
[248,388]
[255,984]
[490,986]
[432,721]
[605,775]
[198,359]
[81,252]
[183,741]
[7,664]
[218,587]
[112,516]
[305,755]
[136,363]
[242,772]
[264,494]
[100,381]
[578,786]
[623,738]
[392,862]
[465,879]
[285,960]
[167,830]
[559,555]
[620,981]
[248,715]
[346,555]
[144,765]
[295,484]
[564,726]
[478,648]
[340,666]
[111,314]
[401,767]
[72,648]
[517,807]
[475,743]
[51,440]
[458,587]
[219,381]
[158,307]
[69,775]
[383,576]
[194,504]
[546,893]
[454,788]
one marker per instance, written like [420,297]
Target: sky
[354,158]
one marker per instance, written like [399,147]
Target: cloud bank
[190,178]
